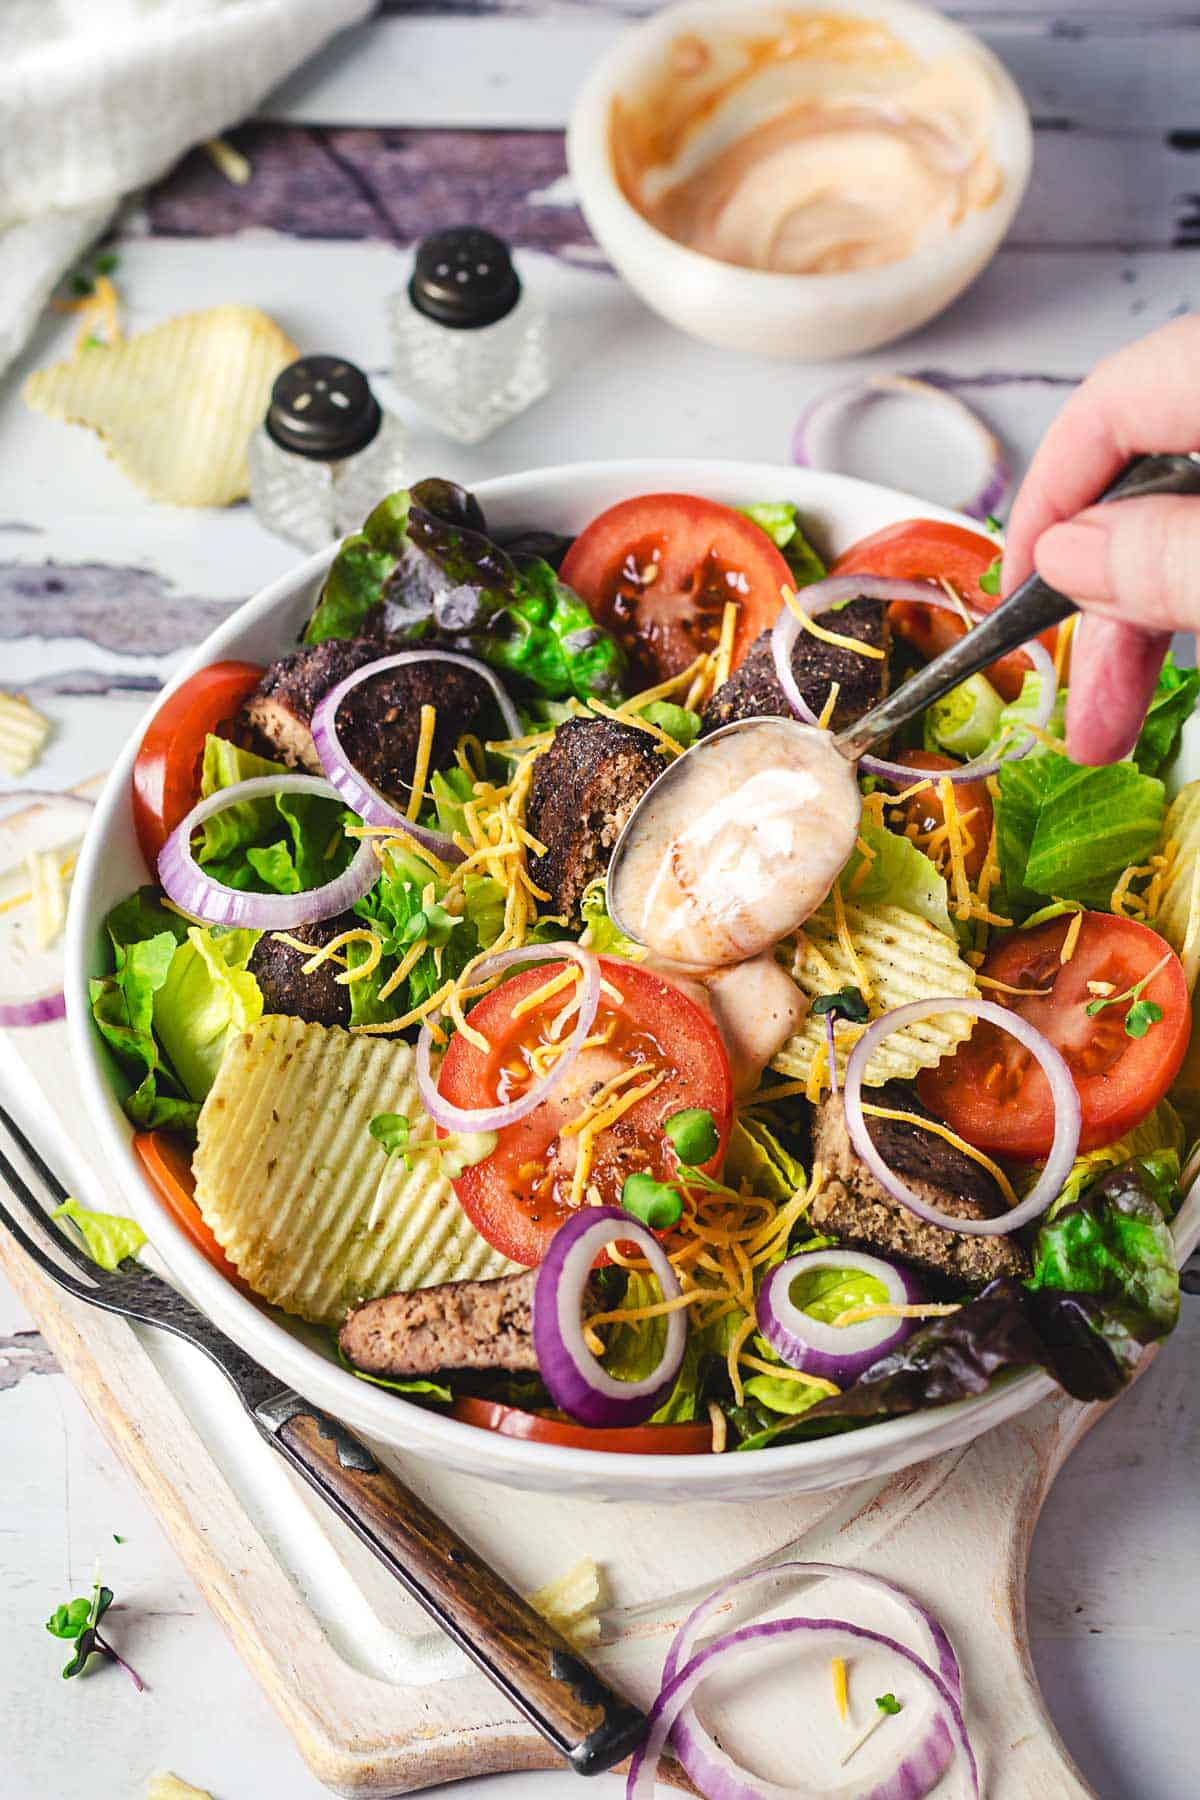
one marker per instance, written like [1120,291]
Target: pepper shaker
[469,345]
[325,454]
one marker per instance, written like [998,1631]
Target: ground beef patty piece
[854,1206]
[380,722]
[584,787]
[753,689]
[277,968]
[459,1325]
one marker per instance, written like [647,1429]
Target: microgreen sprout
[80,1620]
[886,1707]
[655,1203]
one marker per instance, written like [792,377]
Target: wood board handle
[561,1695]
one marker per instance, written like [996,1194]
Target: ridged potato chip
[904,958]
[175,405]
[287,1173]
[1179,908]
[23,731]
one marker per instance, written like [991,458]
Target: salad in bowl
[858,1119]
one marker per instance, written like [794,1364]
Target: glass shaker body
[469,345]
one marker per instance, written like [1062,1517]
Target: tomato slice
[541,1428]
[519,1195]
[658,572]
[993,1093]
[166,774]
[928,550]
[926,812]
[168,1168]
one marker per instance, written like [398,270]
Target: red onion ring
[836,591]
[577,1382]
[43,1009]
[709,1766]
[194,892]
[998,477]
[495,1118]
[1067,1115]
[18,1015]
[361,795]
[725,1781]
[834,1352]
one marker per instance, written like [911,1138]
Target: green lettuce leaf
[123,1009]
[208,995]
[397,912]
[415,1387]
[965,721]
[781,522]
[600,933]
[1114,1246]
[899,875]
[358,572]
[282,843]
[634,1350]
[1172,706]
[108,1237]
[679,722]
[756,1157]
[1066,832]
[1159,1136]
[1018,713]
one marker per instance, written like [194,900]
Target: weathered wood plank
[1089,189]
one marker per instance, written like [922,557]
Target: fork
[573,1707]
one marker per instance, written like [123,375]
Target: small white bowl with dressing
[800,181]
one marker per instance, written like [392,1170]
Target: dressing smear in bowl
[814,143]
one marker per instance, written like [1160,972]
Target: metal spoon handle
[1030,609]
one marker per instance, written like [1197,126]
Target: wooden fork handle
[561,1695]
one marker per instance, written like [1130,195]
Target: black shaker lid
[323,407]
[464,278]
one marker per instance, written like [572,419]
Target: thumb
[1137,560]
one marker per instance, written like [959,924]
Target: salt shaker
[468,344]
[325,454]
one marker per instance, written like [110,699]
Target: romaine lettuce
[1066,832]
[756,1158]
[1172,706]
[899,875]
[208,993]
[398,911]
[144,937]
[600,934]
[109,1238]
[964,721]
[781,522]
[282,843]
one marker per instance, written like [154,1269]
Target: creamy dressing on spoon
[739,846]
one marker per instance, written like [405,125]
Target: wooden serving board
[377,1701]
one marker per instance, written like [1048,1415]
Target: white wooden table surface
[432,115]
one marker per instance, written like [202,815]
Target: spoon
[1029,610]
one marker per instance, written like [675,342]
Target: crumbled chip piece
[175,405]
[287,1173]
[49,894]
[572,1603]
[23,731]
[904,958]
[165,1786]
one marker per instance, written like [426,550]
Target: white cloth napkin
[99,97]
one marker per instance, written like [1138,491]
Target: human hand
[1132,567]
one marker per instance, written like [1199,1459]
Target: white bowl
[805,318]
[111,865]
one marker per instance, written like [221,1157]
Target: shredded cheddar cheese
[421,765]
[840,1694]
[1071,940]
[858,1315]
[836,638]
[830,707]
[862,979]
[723,660]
